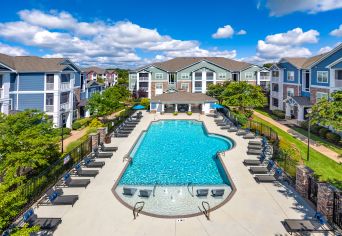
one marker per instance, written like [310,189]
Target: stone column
[94,140]
[102,132]
[288,111]
[302,180]
[325,199]
[189,108]
[176,108]
[162,108]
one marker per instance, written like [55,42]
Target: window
[338,75]
[50,78]
[210,75]
[153,106]
[64,98]
[322,76]
[248,75]
[172,78]
[222,76]
[184,76]
[290,75]
[198,76]
[1,81]
[159,75]
[320,95]
[290,92]
[185,86]
[198,85]
[159,85]
[65,78]
[275,73]
[49,99]
[275,87]
[275,102]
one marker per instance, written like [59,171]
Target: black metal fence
[313,190]
[112,124]
[32,190]
[337,209]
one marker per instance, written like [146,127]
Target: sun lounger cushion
[145,193]
[217,192]
[44,223]
[202,192]
[129,191]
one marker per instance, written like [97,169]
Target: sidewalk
[319,148]
[77,134]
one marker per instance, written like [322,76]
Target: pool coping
[232,185]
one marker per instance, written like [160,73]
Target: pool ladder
[137,209]
[127,158]
[206,209]
[154,189]
[192,189]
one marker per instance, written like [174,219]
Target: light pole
[309,116]
[62,134]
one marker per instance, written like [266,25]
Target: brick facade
[153,87]
[102,132]
[179,83]
[94,140]
[302,180]
[296,90]
[325,199]
[314,91]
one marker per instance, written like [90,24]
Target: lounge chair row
[205,192]
[127,126]
[226,123]
[55,196]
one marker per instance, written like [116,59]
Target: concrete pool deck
[255,209]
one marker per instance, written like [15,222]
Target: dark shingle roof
[33,63]
[96,69]
[302,101]
[180,63]
[183,97]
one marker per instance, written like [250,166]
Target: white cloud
[273,51]
[97,42]
[13,51]
[242,32]
[324,50]
[337,32]
[224,32]
[293,37]
[282,7]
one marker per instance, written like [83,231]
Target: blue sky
[130,33]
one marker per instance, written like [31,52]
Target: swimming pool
[168,158]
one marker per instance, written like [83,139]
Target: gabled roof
[110,71]
[93,83]
[296,61]
[33,63]
[179,63]
[304,62]
[95,69]
[299,100]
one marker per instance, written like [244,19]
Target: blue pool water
[177,152]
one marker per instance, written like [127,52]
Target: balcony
[144,89]
[274,93]
[65,106]
[65,86]
[1,93]
[49,86]
[264,77]
[143,78]
[49,108]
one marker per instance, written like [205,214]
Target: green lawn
[327,169]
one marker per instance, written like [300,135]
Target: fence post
[94,140]
[102,132]
[302,180]
[325,200]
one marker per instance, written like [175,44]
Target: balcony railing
[49,108]
[274,93]
[264,77]
[145,89]
[65,86]
[65,106]
[49,86]
[143,78]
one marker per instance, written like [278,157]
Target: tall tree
[216,90]
[328,111]
[243,95]
[28,142]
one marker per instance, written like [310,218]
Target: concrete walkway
[254,209]
[314,145]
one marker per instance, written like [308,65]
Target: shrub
[323,131]
[315,129]
[248,113]
[304,125]
[333,137]
[66,131]
[175,113]
[279,113]
[95,123]
[145,102]
[189,113]
[76,125]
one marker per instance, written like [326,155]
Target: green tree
[101,104]
[28,141]
[328,111]
[268,65]
[243,95]
[216,90]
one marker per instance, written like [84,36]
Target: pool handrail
[192,189]
[136,209]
